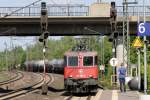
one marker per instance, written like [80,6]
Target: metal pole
[68,8]
[27,56]
[99,1]
[126,38]
[6,56]
[114,56]
[123,38]
[139,71]
[27,59]
[103,49]
[44,51]
[145,57]
[139,61]
[145,67]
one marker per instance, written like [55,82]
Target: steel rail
[16,78]
[25,90]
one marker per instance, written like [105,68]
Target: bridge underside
[58,26]
[54,29]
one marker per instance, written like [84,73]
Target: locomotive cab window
[88,61]
[72,61]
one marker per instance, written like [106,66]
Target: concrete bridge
[66,20]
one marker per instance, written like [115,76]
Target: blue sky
[25,2]
[10,3]
[27,40]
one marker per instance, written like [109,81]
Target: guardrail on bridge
[68,10]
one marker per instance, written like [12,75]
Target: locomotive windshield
[72,61]
[88,61]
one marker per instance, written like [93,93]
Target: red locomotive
[81,71]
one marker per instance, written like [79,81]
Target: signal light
[110,39]
[113,11]
[43,5]
[43,36]
[116,34]
[113,4]
[43,12]
[43,9]
[113,36]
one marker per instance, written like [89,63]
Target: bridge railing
[134,10]
[67,10]
[53,10]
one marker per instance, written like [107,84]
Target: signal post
[43,38]
[113,38]
[137,43]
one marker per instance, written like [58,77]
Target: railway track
[79,98]
[85,96]
[16,78]
[56,92]
[28,89]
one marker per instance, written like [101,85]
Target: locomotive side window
[65,60]
[72,61]
[95,60]
[88,61]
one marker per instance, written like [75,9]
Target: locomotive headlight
[81,71]
[90,75]
[70,76]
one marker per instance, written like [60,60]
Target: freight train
[55,66]
[80,71]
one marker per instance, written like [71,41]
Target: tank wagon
[55,65]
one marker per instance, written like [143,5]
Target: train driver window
[72,61]
[88,61]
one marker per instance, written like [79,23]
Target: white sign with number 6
[141,28]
